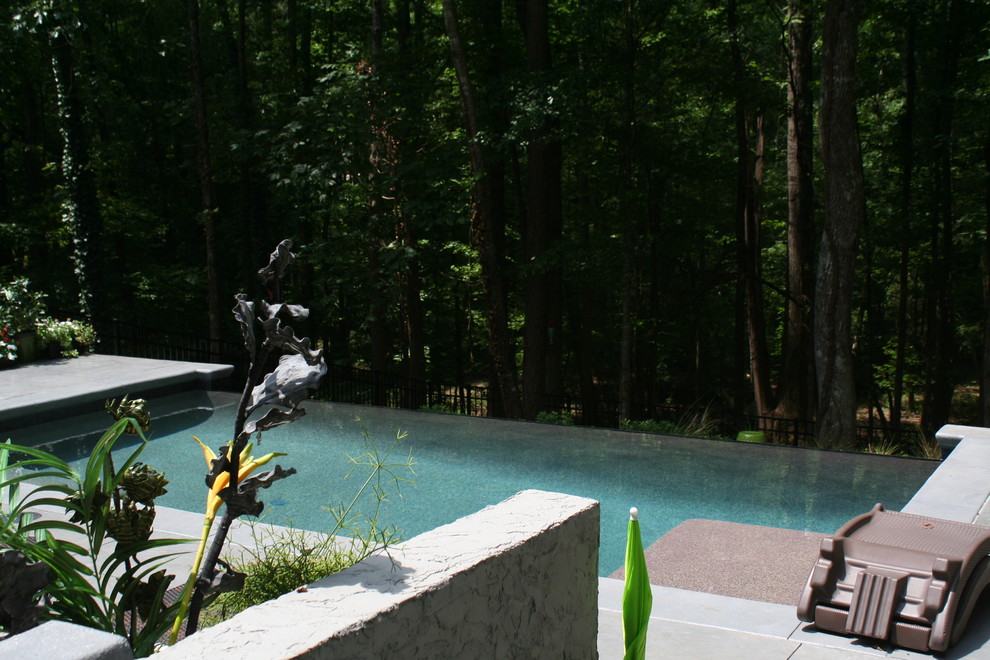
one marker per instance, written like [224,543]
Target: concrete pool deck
[33,392]
[685,623]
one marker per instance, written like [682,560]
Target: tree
[795,392]
[985,371]
[544,224]
[204,172]
[624,161]
[487,229]
[940,316]
[749,181]
[845,212]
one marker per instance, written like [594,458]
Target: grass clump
[277,562]
[692,424]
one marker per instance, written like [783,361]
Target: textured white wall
[515,580]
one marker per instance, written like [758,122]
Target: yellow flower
[246,467]
[213,502]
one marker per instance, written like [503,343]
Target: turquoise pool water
[463,464]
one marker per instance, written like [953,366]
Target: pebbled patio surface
[766,564]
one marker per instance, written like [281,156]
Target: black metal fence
[375,388]
[349,384]
[120,338]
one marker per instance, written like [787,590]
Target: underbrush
[692,424]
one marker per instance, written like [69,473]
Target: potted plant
[20,308]
[69,336]
[8,348]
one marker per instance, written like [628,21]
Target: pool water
[463,464]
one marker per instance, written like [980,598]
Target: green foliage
[20,306]
[886,447]
[8,345]
[315,134]
[444,408]
[279,562]
[384,474]
[927,447]
[22,310]
[693,424]
[663,426]
[106,570]
[920,446]
[555,417]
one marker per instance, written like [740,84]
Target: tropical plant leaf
[41,457]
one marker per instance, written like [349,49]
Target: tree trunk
[845,212]
[985,372]
[378,208]
[749,178]
[627,403]
[907,176]
[487,230]
[410,283]
[543,228]
[796,385]
[581,322]
[253,231]
[941,326]
[759,353]
[205,175]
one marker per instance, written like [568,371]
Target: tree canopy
[628,204]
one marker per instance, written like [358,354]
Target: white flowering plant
[69,334]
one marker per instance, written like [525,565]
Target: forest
[771,207]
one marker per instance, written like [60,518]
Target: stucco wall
[518,579]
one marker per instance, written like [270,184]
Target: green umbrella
[637,597]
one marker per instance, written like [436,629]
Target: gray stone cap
[353,598]
[58,640]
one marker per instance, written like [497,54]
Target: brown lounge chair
[906,579]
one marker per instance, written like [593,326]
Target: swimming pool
[463,464]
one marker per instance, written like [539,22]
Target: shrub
[20,307]
[695,425]
[555,417]
[662,426]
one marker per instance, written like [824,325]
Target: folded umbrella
[637,596]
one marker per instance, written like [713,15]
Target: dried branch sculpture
[280,392]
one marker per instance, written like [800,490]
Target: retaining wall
[518,579]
